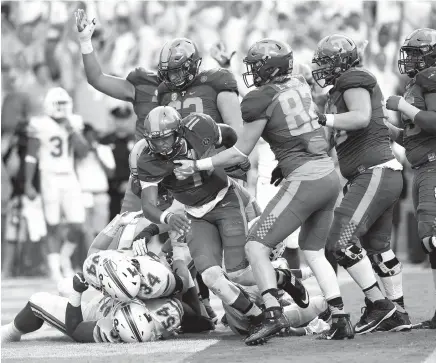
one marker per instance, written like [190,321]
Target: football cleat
[428,324]
[399,321]
[212,314]
[272,323]
[341,328]
[374,314]
[294,288]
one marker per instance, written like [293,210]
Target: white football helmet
[119,276]
[57,103]
[133,322]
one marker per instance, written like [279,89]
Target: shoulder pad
[426,79]
[219,79]
[356,78]
[141,76]
[255,103]
[150,169]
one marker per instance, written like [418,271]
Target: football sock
[364,276]
[399,301]
[336,305]
[271,298]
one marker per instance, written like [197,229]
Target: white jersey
[55,153]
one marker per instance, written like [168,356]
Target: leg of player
[41,307]
[54,235]
[352,219]
[389,269]
[291,252]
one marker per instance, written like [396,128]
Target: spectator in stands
[93,172]
[121,142]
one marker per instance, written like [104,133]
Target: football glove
[79,283]
[322,119]
[276,176]
[219,53]
[85,27]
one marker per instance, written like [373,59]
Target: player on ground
[282,112]
[418,108]
[215,206]
[139,88]
[102,320]
[54,140]
[356,115]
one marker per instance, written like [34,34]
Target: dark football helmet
[418,52]
[266,60]
[162,130]
[334,55]
[179,62]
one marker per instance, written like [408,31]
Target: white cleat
[10,334]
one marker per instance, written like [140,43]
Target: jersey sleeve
[427,80]
[162,90]
[151,170]
[255,104]
[202,132]
[145,83]
[220,80]
[356,78]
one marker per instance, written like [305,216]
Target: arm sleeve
[427,80]
[255,104]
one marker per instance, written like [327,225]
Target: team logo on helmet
[174,96]
[203,79]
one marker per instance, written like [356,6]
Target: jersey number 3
[58,146]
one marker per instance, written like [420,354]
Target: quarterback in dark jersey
[355,115]
[139,88]
[418,108]
[281,110]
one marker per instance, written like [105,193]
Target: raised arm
[112,86]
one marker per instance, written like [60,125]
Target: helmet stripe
[155,119]
[116,280]
[127,312]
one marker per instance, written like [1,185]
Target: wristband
[163,216]
[408,109]
[75,298]
[330,120]
[204,164]
[150,231]
[86,47]
[30,159]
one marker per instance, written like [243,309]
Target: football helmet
[266,60]
[133,322]
[162,128]
[57,103]
[179,62]
[418,52]
[119,276]
[334,55]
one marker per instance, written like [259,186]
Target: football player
[139,88]
[216,216]
[362,224]
[282,112]
[418,107]
[102,320]
[54,139]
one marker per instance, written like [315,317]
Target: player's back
[292,128]
[360,149]
[55,151]
[201,95]
[420,145]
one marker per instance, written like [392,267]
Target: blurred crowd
[40,50]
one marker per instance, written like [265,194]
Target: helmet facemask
[261,76]
[168,144]
[178,78]
[330,68]
[415,59]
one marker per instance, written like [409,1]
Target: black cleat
[428,324]
[399,321]
[273,321]
[294,288]
[341,328]
[374,314]
[326,315]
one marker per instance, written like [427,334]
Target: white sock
[364,276]
[54,263]
[67,249]
[324,273]
[393,285]
[9,332]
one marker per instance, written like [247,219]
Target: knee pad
[386,264]
[429,244]
[215,279]
[349,256]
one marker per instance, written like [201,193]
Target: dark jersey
[146,84]
[201,95]
[360,149]
[420,145]
[292,130]
[201,134]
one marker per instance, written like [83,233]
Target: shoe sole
[388,315]
[265,339]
